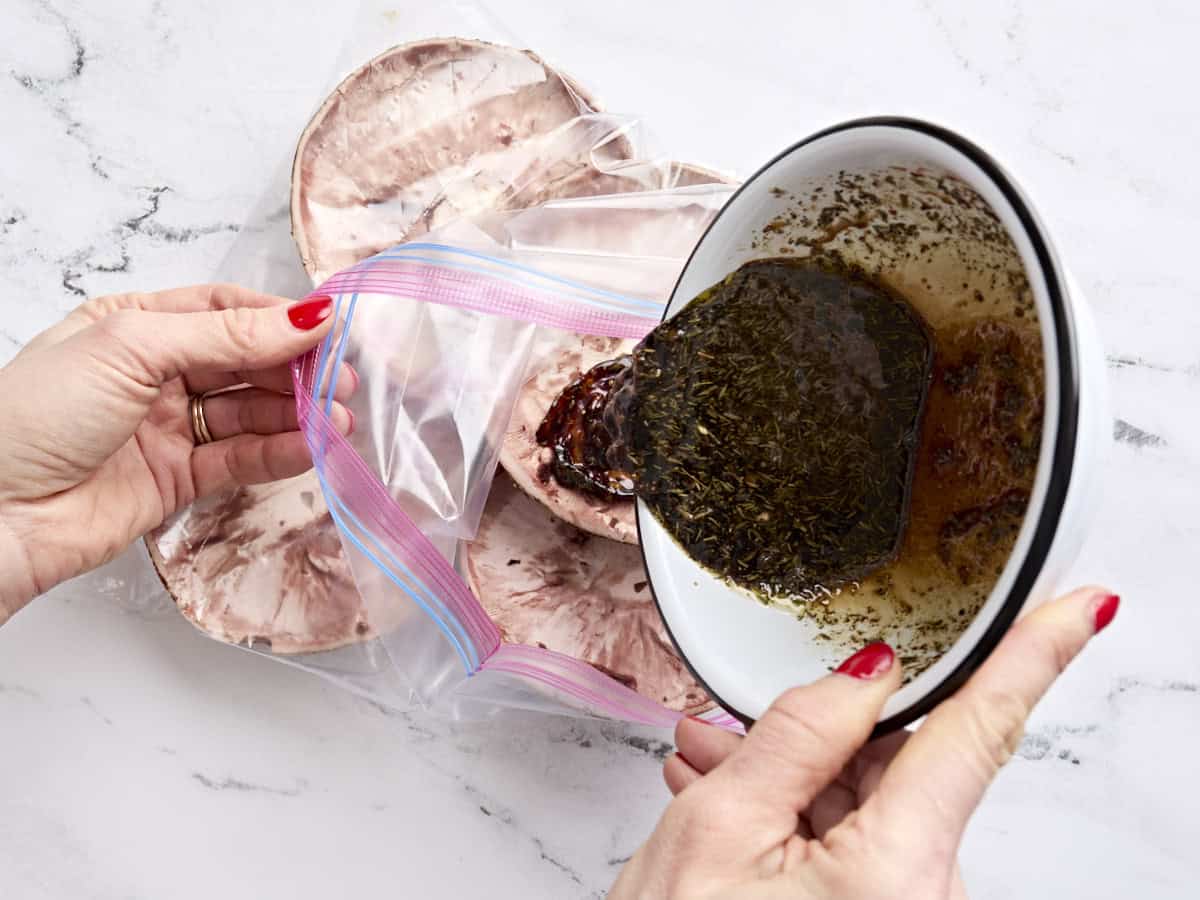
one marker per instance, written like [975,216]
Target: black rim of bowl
[1062,455]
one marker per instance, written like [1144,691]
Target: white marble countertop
[139,759]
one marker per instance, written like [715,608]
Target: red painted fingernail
[350,428]
[871,661]
[1106,611]
[308,314]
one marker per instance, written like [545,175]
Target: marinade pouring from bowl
[578,430]
[774,425]
[1058,443]
[771,426]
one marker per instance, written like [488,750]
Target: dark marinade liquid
[798,428]
[587,446]
[774,423]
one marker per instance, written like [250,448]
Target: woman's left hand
[96,445]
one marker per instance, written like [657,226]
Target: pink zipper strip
[486,294]
[591,687]
[361,491]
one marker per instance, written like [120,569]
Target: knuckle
[242,331]
[692,814]
[246,418]
[239,460]
[795,737]
[1053,646]
[995,724]
[121,342]
[119,326]
[222,294]
[94,309]
[859,863]
[98,308]
[795,717]
[689,807]
[850,839]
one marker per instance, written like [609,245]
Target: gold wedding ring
[200,432]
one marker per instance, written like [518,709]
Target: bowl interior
[926,219]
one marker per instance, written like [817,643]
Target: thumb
[154,347]
[930,790]
[809,734]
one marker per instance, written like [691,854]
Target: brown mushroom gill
[548,584]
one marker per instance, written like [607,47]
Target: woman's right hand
[802,807]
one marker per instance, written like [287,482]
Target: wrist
[18,585]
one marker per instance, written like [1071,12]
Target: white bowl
[745,653]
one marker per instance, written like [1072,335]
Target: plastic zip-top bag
[487,233]
[576,601]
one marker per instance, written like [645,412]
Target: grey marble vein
[1042,144]
[507,818]
[554,861]
[952,43]
[240,786]
[1129,683]
[1040,744]
[145,223]
[22,690]
[656,749]
[78,53]
[1139,362]
[88,702]
[51,90]
[1130,434]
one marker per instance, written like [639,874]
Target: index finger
[194,298]
[932,787]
